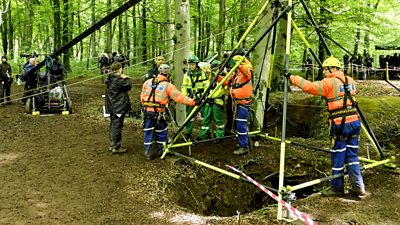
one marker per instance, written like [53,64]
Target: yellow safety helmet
[237,57]
[332,62]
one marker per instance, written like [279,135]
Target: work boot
[332,192]
[118,151]
[357,192]
[149,157]
[241,151]
[229,133]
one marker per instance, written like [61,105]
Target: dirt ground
[57,169]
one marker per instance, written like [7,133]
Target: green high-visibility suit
[194,85]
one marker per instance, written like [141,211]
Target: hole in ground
[207,192]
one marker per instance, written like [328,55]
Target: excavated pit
[204,191]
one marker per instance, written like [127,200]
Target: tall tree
[93,36]
[182,48]
[262,65]
[168,32]
[144,32]
[4,29]
[109,29]
[27,30]
[127,51]
[80,52]
[135,35]
[221,29]
[120,34]
[11,33]
[65,37]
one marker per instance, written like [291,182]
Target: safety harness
[151,101]
[345,110]
[199,91]
[237,86]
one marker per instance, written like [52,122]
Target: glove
[287,75]
[198,102]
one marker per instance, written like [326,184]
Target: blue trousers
[242,113]
[155,129]
[344,151]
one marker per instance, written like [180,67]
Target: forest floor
[57,169]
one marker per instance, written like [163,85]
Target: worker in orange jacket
[241,90]
[155,96]
[338,90]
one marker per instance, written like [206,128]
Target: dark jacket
[5,67]
[29,78]
[153,72]
[117,98]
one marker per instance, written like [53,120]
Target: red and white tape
[302,216]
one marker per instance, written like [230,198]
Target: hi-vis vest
[242,87]
[333,89]
[156,93]
[194,83]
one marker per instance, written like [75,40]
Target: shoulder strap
[347,95]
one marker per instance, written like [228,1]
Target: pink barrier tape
[302,216]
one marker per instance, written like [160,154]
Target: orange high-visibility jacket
[164,91]
[332,88]
[241,85]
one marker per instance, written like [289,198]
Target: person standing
[195,82]
[155,96]
[5,80]
[31,79]
[105,63]
[213,109]
[241,90]
[309,67]
[339,90]
[117,105]
[153,71]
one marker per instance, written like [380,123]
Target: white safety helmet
[163,69]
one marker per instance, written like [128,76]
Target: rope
[302,216]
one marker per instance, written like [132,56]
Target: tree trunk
[120,34]
[221,29]
[358,37]
[109,29]
[27,30]
[280,51]
[182,48]
[79,31]
[127,39]
[242,19]
[199,30]
[168,32]
[135,36]
[4,29]
[262,65]
[207,35]
[367,34]
[65,36]
[93,36]
[144,32]
[11,34]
